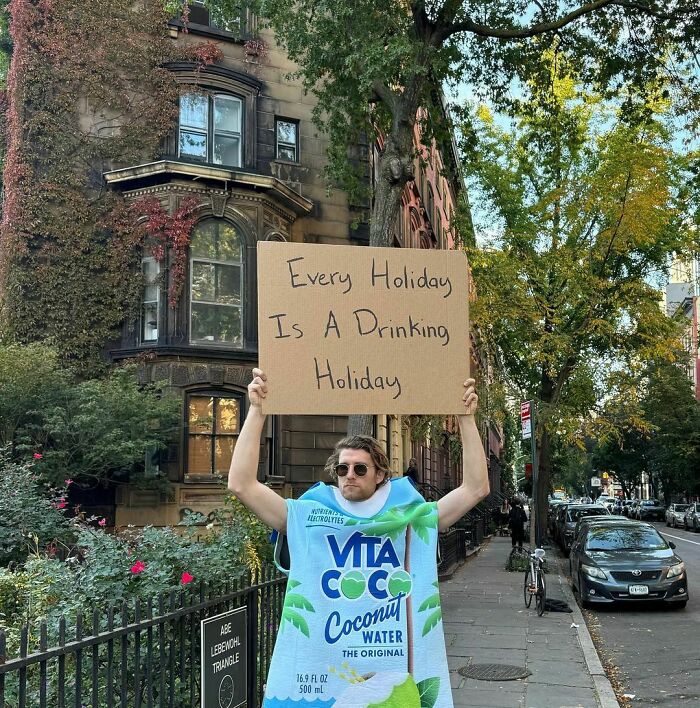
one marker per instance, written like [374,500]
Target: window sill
[286,162]
[185,351]
[209,479]
[207,31]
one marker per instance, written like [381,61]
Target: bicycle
[535,582]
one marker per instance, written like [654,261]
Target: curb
[603,687]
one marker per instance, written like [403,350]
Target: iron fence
[141,655]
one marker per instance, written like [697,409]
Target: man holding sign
[361,623]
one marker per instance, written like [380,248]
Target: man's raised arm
[475,479]
[268,506]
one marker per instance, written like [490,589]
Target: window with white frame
[213,424]
[211,128]
[216,284]
[150,300]
[287,139]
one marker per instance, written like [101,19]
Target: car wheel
[695,525]
[581,595]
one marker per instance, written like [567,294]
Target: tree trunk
[395,170]
[360,424]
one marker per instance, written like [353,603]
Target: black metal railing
[138,655]
[453,548]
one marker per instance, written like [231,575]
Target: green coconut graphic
[392,689]
[400,582]
[353,584]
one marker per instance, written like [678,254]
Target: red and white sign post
[527,416]
[526,419]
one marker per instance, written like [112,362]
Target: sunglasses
[360,469]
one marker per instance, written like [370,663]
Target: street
[656,648]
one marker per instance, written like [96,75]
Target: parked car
[617,508]
[567,519]
[691,518]
[554,506]
[626,504]
[649,510]
[585,522]
[675,514]
[627,562]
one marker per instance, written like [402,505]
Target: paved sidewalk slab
[486,622]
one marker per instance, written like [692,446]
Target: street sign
[224,660]
[526,419]
[595,481]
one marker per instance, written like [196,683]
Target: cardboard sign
[348,329]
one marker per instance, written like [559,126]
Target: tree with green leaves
[584,208]
[674,441]
[376,67]
[96,431]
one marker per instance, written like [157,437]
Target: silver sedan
[675,514]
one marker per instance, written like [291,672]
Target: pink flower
[37,455]
[186,578]
[60,504]
[68,482]
[138,567]
[102,522]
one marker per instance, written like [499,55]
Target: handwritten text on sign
[347,329]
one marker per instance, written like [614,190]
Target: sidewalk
[486,622]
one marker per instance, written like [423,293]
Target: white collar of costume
[367,508]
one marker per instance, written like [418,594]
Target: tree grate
[494,672]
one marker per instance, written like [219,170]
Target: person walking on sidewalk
[516,521]
[361,622]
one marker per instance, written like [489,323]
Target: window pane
[227,413]
[199,454]
[227,114]
[229,243]
[229,329]
[204,323]
[203,241]
[149,322]
[223,452]
[203,281]
[286,132]
[193,144]
[200,412]
[194,111]
[286,153]
[227,150]
[228,285]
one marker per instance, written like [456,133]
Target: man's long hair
[360,442]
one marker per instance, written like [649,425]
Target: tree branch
[467,25]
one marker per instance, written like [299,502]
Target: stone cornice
[130,178]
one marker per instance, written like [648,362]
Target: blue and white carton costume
[361,624]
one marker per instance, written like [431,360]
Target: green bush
[30,513]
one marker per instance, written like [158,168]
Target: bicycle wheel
[541,594]
[527,594]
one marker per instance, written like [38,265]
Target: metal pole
[534,535]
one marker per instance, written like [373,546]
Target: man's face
[355,488]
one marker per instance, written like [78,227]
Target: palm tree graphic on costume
[294,600]
[420,517]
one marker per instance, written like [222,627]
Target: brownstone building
[246,150]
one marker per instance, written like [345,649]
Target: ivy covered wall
[87,91]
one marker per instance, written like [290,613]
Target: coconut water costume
[361,623]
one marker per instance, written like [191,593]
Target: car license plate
[639,589]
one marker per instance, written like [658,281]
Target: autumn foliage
[88,91]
